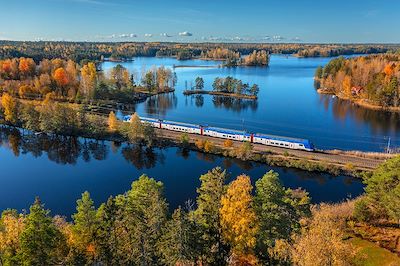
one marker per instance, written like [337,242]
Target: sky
[304,21]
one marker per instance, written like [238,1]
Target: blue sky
[323,21]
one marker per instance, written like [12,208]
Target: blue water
[59,169]
[288,104]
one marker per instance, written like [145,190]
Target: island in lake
[229,87]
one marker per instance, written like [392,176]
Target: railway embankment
[337,162]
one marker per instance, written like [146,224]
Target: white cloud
[165,35]
[277,38]
[127,35]
[148,35]
[185,33]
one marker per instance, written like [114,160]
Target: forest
[372,79]
[99,51]
[67,80]
[229,223]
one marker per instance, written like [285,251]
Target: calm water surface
[288,104]
[59,169]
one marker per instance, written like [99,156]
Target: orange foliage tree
[61,77]
[238,218]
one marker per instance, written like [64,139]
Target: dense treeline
[336,50]
[96,51]
[228,225]
[65,78]
[220,54]
[374,79]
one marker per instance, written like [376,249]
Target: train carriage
[181,127]
[227,134]
[283,142]
[236,135]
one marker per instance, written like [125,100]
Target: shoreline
[217,93]
[361,102]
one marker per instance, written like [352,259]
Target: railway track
[343,159]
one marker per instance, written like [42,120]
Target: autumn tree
[61,77]
[238,218]
[135,128]
[321,241]
[9,105]
[112,122]
[11,227]
[88,79]
[26,67]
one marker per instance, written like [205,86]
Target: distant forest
[97,51]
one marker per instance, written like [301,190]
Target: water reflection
[160,104]
[142,157]
[59,149]
[379,122]
[234,104]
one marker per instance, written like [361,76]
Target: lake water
[59,169]
[288,104]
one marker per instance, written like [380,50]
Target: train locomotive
[235,135]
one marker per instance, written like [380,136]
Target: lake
[59,169]
[287,104]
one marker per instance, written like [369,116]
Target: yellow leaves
[199,144]
[112,122]
[10,108]
[238,219]
[347,85]
[12,227]
[208,146]
[228,143]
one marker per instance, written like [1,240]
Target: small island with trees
[369,81]
[229,87]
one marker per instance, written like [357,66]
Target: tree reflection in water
[142,157]
[380,122]
[234,104]
[67,150]
[160,104]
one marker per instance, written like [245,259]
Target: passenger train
[236,135]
